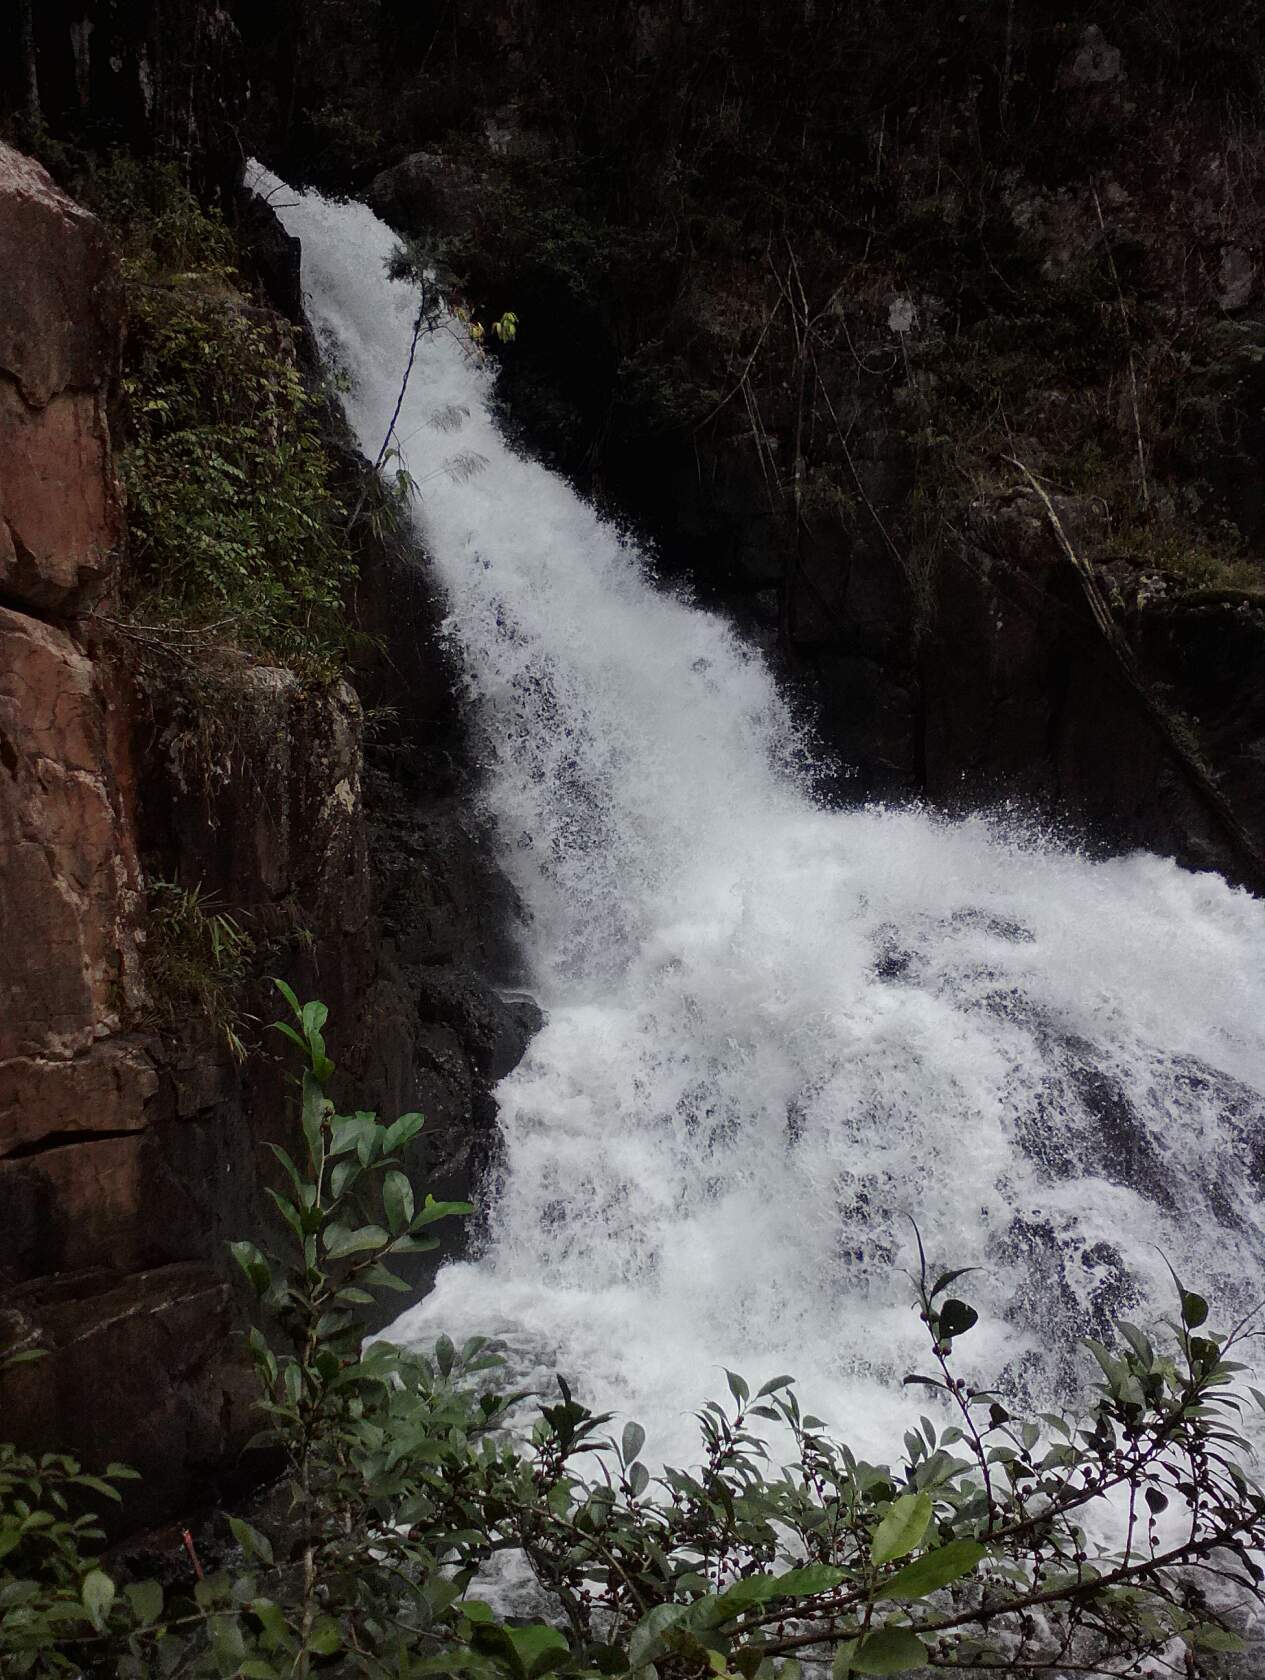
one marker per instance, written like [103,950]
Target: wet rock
[1071,1293]
[141,1368]
[494,1027]
[275,255]
[427,191]
[251,789]
[1096,63]
[1236,279]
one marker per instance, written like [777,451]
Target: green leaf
[326,1637]
[346,1172]
[253,1264]
[251,1541]
[286,1208]
[227,1643]
[946,1278]
[902,1528]
[97,1594]
[432,1210]
[403,1131]
[539,1648]
[632,1441]
[890,1651]
[348,1131]
[752,1589]
[841,1666]
[1137,1341]
[810,1579]
[648,1633]
[397,1199]
[314,1016]
[292,1172]
[271,1618]
[340,1241]
[414,1245]
[265,1359]
[1209,1637]
[331,1324]
[738,1387]
[146,1599]
[287,1031]
[1194,1309]
[315,1105]
[933,1570]
[99,1486]
[379,1276]
[956,1318]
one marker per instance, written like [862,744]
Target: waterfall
[775,1032]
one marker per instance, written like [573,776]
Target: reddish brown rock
[68,959]
[61,315]
[41,1098]
[67,874]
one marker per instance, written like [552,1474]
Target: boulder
[427,191]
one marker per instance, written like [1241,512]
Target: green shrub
[232,517]
[197,958]
[970,1553]
[1212,558]
[157,224]
[234,525]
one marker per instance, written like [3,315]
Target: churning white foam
[775,1032]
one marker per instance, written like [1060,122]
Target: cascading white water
[774,1032]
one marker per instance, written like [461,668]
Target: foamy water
[776,1032]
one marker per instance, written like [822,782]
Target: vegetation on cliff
[235,528]
[407,1474]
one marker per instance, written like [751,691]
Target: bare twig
[1143,488]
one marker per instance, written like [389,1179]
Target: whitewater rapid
[775,1033]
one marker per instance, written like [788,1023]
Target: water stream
[775,1032]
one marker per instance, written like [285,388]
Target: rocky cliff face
[69,879]
[79,1084]
[131,1139]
